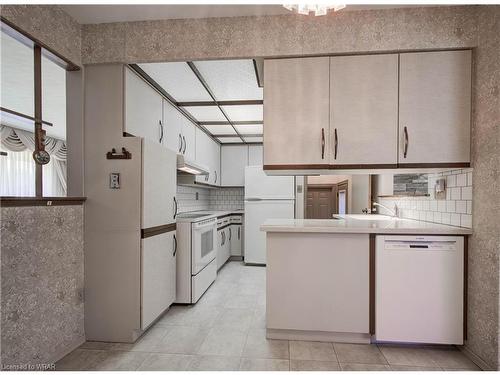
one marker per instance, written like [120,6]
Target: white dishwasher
[419,289]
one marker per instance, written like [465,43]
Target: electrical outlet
[114,180]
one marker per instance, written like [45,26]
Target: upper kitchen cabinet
[234,160]
[172,121]
[215,153]
[364,111]
[143,109]
[204,155]
[435,108]
[296,114]
[255,154]
[188,139]
[179,131]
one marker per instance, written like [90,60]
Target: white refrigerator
[266,197]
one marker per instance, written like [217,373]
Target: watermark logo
[29,367]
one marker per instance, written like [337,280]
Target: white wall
[360,193]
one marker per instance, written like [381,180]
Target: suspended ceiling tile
[231,79]
[178,80]
[230,140]
[249,129]
[254,139]
[244,112]
[220,129]
[206,113]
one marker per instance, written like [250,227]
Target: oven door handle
[205,225]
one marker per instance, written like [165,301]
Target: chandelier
[317,9]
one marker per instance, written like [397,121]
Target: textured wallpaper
[42,284]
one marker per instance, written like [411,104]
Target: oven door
[203,245]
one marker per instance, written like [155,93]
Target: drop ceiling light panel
[207,113]
[254,139]
[230,140]
[244,112]
[231,79]
[249,129]
[220,129]
[178,80]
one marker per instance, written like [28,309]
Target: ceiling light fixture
[317,9]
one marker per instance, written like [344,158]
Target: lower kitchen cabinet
[318,283]
[158,274]
[235,239]
[223,246]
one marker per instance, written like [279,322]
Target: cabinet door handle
[175,207]
[175,245]
[180,142]
[215,177]
[223,238]
[322,143]
[336,144]
[230,234]
[238,232]
[161,131]
[406,140]
[184,139]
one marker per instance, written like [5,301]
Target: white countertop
[349,224]
[207,214]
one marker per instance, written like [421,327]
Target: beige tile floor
[225,330]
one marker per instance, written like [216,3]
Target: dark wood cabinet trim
[45,201]
[154,231]
[372,284]
[274,167]
[434,165]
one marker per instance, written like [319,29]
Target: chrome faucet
[394,212]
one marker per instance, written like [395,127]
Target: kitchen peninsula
[347,278]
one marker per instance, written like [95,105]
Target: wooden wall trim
[42,201]
[154,231]
[372,284]
[466,283]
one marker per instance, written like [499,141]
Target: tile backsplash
[455,210]
[209,199]
[227,199]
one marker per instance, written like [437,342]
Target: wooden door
[143,109]
[319,203]
[364,110]
[435,107]
[296,114]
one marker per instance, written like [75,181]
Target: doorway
[342,197]
[326,196]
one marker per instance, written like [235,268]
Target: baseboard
[63,353]
[237,258]
[476,359]
[345,337]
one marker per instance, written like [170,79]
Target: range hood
[185,166]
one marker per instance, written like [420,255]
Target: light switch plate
[114,180]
